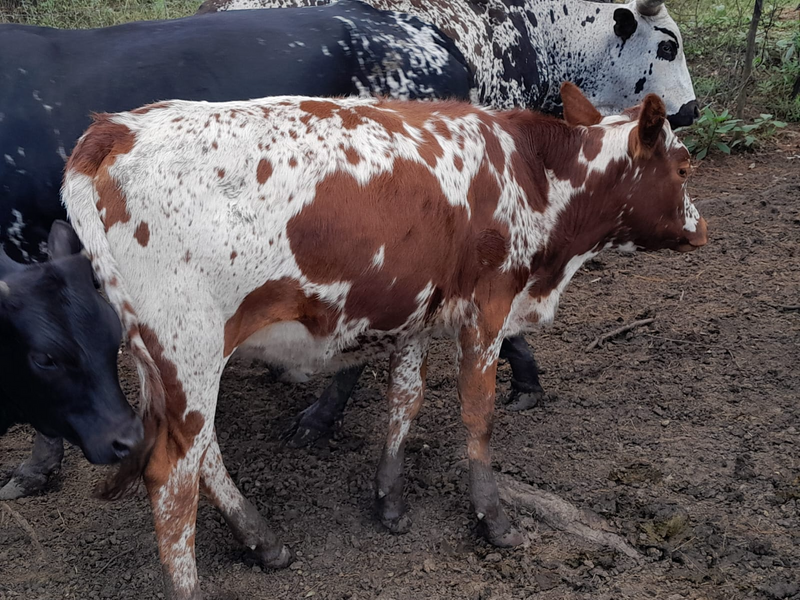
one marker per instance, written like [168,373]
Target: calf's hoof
[393,515]
[508,539]
[398,525]
[270,560]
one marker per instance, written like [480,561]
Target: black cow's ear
[63,241]
[624,23]
[7,265]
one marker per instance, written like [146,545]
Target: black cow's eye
[43,361]
[667,50]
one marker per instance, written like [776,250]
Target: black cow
[52,79]
[58,346]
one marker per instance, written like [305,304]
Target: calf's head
[58,349]
[634,171]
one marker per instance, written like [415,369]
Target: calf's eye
[43,361]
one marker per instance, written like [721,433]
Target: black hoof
[399,525]
[284,558]
[25,483]
[519,401]
[508,539]
[307,430]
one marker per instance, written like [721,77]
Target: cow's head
[58,348]
[637,172]
[643,55]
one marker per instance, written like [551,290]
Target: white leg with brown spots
[248,527]
[407,367]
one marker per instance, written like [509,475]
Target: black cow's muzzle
[687,115]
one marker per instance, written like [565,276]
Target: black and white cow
[521,50]
[58,350]
[51,80]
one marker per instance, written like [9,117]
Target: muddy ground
[684,435]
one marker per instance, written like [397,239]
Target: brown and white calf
[319,232]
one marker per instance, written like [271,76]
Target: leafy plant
[724,133]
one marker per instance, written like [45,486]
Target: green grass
[714,34]
[75,14]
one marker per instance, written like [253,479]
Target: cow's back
[229,196]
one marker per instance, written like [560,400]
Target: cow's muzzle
[698,238]
[687,115]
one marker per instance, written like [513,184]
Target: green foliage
[724,133]
[714,33]
[73,14]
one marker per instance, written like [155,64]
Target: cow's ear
[63,241]
[651,123]
[624,23]
[7,265]
[577,108]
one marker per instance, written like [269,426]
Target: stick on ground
[599,341]
[560,514]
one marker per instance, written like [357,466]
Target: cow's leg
[526,390]
[407,368]
[241,516]
[318,421]
[476,392]
[35,471]
[190,367]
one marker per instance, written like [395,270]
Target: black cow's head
[58,349]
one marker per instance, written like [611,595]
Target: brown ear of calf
[577,108]
[651,123]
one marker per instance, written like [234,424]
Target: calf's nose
[127,439]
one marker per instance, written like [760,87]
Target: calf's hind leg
[407,367]
[247,525]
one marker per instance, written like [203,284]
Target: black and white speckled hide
[521,50]
[403,57]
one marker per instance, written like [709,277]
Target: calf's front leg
[407,367]
[477,370]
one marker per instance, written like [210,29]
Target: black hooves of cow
[524,397]
[24,481]
[310,428]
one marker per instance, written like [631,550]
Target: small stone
[493,557]
[429,565]
[665,422]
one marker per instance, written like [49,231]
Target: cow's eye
[43,361]
[683,173]
[667,50]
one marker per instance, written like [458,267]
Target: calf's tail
[100,144]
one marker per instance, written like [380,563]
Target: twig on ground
[113,558]
[560,514]
[599,341]
[728,350]
[786,307]
[25,526]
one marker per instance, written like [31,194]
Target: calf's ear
[651,123]
[62,241]
[577,109]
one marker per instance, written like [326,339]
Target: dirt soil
[684,435]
